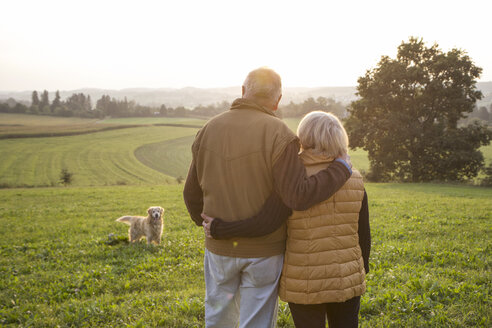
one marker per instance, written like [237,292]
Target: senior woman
[328,245]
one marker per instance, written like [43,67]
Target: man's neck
[262,102]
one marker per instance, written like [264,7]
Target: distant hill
[486,88]
[190,97]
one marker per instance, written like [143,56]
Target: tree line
[80,105]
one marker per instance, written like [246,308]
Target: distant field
[171,157]
[154,120]
[38,161]
[103,158]
[430,260]
[20,124]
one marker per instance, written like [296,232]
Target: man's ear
[278,102]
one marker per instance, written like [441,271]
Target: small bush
[66,177]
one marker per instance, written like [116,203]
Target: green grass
[112,157]
[171,157]
[57,270]
[431,256]
[430,260]
[25,125]
[7,119]
[103,158]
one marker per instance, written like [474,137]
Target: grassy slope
[103,158]
[171,157]
[21,124]
[430,257]
[430,260]
[166,156]
[15,125]
[153,120]
[40,120]
[55,268]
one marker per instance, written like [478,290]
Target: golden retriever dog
[149,226]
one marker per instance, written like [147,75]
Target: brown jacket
[323,260]
[234,154]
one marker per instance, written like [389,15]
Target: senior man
[240,157]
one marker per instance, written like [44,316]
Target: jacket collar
[309,157]
[241,103]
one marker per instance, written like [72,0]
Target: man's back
[234,155]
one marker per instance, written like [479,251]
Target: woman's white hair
[323,133]
[263,83]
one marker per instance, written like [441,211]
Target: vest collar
[309,157]
[242,103]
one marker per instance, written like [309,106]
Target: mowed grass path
[430,260]
[102,158]
[171,157]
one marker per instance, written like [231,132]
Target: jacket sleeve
[300,191]
[365,232]
[193,195]
[271,216]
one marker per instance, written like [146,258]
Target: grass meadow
[430,259]
[65,262]
[26,125]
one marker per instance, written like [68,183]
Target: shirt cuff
[344,163]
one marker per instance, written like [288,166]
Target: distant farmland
[102,158]
[133,151]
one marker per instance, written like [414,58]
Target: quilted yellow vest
[323,260]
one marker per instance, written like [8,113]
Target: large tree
[407,115]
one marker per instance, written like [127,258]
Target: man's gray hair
[263,83]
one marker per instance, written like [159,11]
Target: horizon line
[181,88]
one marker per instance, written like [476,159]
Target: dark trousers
[339,315]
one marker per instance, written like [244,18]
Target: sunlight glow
[57,44]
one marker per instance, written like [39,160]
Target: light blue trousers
[241,290]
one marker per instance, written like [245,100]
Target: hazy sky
[214,43]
